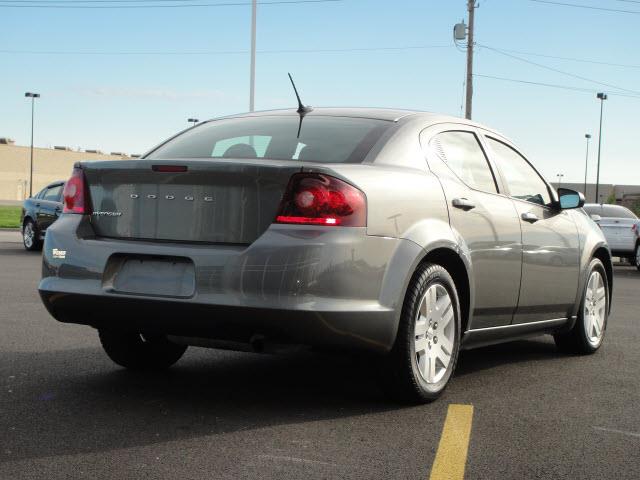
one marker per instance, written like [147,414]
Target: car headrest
[240,150]
[310,153]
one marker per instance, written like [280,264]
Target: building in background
[49,165]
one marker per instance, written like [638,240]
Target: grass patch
[9,217]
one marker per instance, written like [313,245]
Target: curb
[10,229]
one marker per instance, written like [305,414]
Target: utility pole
[471,6]
[252,92]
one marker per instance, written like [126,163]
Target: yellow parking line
[451,457]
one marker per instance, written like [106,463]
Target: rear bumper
[329,287]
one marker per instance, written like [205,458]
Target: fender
[424,239]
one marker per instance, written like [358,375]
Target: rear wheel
[30,238]
[424,356]
[637,257]
[136,351]
[587,334]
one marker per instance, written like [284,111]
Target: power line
[572,59]
[546,67]
[221,52]
[550,85]
[589,7]
[183,5]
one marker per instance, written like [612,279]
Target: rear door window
[53,193]
[464,156]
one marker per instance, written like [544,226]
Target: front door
[550,257]
[485,220]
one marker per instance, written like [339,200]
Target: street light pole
[193,120]
[602,97]
[252,81]
[560,175]
[586,163]
[33,96]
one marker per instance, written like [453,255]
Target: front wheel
[587,334]
[425,353]
[136,351]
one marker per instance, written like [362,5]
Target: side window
[41,193]
[53,194]
[464,156]
[523,181]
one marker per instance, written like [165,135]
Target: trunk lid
[214,200]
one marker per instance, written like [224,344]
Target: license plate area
[151,275]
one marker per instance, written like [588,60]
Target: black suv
[40,211]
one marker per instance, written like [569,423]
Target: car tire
[420,364]
[636,258]
[136,351]
[30,238]
[588,333]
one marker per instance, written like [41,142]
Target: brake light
[314,199]
[634,227]
[169,168]
[75,194]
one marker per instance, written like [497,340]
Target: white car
[621,227]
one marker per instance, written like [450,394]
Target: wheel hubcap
[595,308]
[28,235]
[434,333]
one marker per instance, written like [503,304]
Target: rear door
[485,219]
[550,255]
[49,206]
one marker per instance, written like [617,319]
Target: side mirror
[570,199]
[596,218]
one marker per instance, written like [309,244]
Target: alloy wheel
[595,308]
[28,235]
[434,333]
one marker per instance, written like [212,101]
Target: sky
[125,79]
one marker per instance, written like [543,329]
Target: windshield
[322,139]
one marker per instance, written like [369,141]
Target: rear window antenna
[302,109]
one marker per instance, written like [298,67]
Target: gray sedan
[403,234]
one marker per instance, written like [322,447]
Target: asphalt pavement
[67,412]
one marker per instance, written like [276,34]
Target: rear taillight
[75,194]
[315,199]
[634,227]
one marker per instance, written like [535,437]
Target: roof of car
[388,114]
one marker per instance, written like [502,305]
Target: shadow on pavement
[68,402]
[76,401]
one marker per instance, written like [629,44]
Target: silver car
[404,234]
[621,229]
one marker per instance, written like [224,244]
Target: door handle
[463,204]
[529,217]
[38,204]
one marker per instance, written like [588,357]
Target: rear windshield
[611,211]
[322,139]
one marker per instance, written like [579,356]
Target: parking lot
[67,412]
